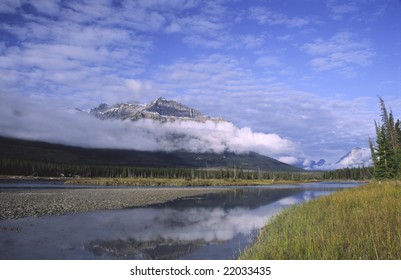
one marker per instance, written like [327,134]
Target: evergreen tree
[386,154]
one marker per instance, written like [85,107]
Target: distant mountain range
[357,157]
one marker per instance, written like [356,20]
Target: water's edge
[211,226]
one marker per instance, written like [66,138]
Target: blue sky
[309,71]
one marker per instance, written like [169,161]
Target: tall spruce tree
[386,154]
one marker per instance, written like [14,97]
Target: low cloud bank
[36,120]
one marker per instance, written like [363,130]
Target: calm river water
[213,226]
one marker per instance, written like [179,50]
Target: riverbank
[38,202]
[177,182]
[35,203]
[153,182]
[360,223]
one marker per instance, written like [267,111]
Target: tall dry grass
[361,223]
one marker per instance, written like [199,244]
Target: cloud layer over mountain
[29,119]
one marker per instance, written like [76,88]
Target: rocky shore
[35,203]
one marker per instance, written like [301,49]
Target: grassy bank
[176,182]
[362,223]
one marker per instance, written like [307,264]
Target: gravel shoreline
[35,203]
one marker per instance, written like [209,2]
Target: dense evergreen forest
[386,152]
[28,150]
[360,173]
[47,169]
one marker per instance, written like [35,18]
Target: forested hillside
[21,157]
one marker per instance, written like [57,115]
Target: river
[212,226]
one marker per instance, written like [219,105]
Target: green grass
[361,223]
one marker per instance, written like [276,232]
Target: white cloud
[268,61]
[9,6]
[357,157]
[344,52]
[29,119]
[318,125]
[74,57]
[266,16]
[207,28]
[340,42]
[49,7]
[168,4]
[340,11]
[252,41]
[138,86]
[289,160]
[210,42]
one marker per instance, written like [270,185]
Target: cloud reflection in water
[67,237]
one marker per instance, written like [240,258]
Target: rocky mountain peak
[159,109]
[171,108]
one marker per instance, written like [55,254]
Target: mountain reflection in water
[215,226]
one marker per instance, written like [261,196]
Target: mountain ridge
[357,157]
[159,109]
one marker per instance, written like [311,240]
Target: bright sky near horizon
[309,71]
